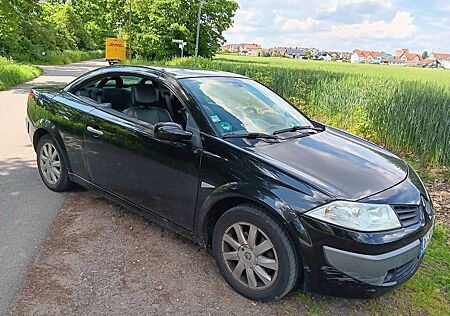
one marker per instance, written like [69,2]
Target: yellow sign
[115,50]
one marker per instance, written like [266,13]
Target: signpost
[181,45]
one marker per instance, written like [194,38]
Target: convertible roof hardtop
[178,73]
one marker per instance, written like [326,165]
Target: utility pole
[130,40]
[198,32]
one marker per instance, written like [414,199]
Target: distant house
[325,56]
[429,63]
[334,55]
[295,53]
[346,56]
[439,56]
[411,59]
[250,49]
[443,58]
[232,48]
[376,57]
[393,61]
[314,52]
[385,57]
[277,51]
[399,52]
[358,57]
[365,56]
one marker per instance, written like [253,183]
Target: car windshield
[239,105]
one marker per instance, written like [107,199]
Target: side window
[153,103]
[137,97]
[113,91]
[129,81]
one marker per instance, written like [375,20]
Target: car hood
[341,165]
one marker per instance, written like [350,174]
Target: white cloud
[401,26]
[443,5]
[333,5]
[241,28]
[343,24]
[298,25]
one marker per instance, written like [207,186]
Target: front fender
[242,192]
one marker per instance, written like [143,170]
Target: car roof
[176,72]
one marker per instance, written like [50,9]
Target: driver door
[125,158]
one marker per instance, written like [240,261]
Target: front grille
[408,214]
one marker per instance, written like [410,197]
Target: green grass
[428,292]
[403,73]
[404,109]
[69,56]
[12,73]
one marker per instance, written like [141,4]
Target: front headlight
[357,216]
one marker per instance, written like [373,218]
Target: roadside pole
[198,32]
[130,40]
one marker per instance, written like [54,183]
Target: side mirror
[171,131]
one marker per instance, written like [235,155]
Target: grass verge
[12,73]
[68,57]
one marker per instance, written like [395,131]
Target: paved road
[27,208]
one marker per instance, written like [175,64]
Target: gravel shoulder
[101,259]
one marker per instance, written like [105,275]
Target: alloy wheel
[250,255]
[50,163]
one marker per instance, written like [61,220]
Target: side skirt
[134,207]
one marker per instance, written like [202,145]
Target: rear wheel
[51,165]
[254,253]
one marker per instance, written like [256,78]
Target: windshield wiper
[298,128]
[249,135]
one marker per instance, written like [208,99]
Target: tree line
[30,28]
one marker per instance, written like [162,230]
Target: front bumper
[345,263]
[385,269]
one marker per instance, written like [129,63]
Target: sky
[344,25]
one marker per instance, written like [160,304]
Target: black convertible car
[281,200]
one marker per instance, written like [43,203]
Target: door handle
[94,131]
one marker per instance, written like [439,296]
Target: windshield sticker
[227,127]
[215,118]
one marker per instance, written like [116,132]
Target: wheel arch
[46,127]
[231,195]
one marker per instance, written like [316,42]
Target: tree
[160,21]
[425,55]
[29,27]
[308,54]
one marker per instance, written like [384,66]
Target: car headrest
[144,94]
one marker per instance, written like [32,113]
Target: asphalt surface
[27,207]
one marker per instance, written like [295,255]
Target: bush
[68,57]
[12,73]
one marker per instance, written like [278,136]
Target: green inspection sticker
[215,118]
[227,127]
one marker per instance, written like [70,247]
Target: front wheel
[51,165]
[254,254]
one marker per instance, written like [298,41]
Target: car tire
[279,262]
[51,165]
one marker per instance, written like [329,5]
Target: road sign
[181,44]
